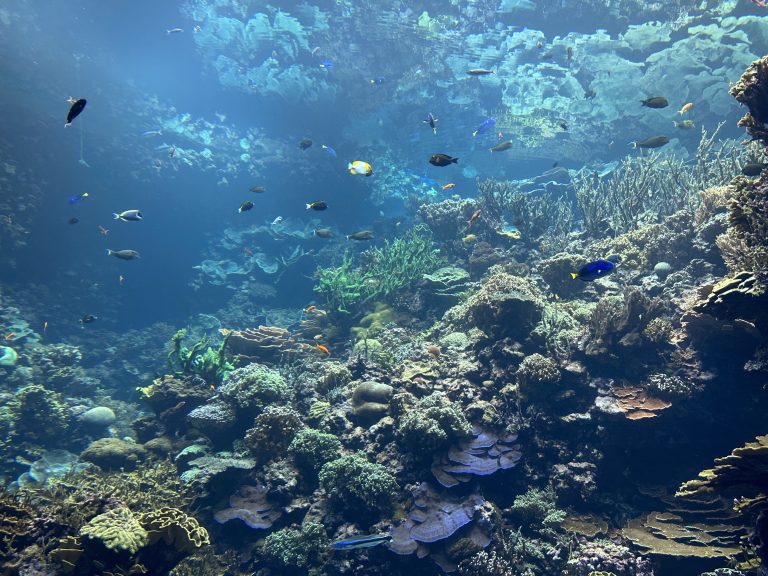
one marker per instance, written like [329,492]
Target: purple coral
[484,454]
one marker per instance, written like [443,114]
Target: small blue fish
[484,127]
[328,149]
[75,199]
[596,269]
[326,64]
[362,541]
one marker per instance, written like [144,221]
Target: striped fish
[361,541]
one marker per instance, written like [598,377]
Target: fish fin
[109,252]
[574,275]
[474,133]
[68,124]
[349,166]
[455,160]
[115,216]
[309,206]
[347,236]
[633,144]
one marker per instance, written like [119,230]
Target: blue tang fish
[328,149]
[75,199]
[361,541]
[596,269]
[484,127]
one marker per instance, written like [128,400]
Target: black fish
[753,169]
[655,102]
[442,160]
[323,233]
[652,142]
[75,110]
[88,318]
[245,206]
[361,235]
[317,205]
[305,143]
[73,220]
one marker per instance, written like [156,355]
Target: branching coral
[385,270]
[312,449]
[429,424]
[272,431]
[291,548]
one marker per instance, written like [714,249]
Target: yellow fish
[360,167]
[469,238]
[687,106]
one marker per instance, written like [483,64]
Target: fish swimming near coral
[323,233]
[361,235]
[128,216]
[684,124]
[687,106]
[317,205]
[305,143]
[359,167]
[506,145]
[361,541]
[486,125]
[655,102]
[74,111]
[479,72]
[753,168]
[652,142]
[596,269]
[123,254]
[442,160]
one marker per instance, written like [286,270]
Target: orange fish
[309,309]
[10,335]
[687,106]
[324,349]
[449,186]
[103,230]
[475,216]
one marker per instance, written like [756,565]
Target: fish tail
[115,216]
[574,275]
[455,160]
[68,124]
[633,144]
[109,252]
[474,133]
[309,206]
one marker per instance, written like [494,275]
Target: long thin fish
[361,541]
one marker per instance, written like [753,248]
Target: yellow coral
[175,528]
[118,529]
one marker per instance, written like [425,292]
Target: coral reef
[291,548]
[429,424]
[357,486]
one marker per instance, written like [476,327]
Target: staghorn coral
[117,530]
[272,431]
[429,424]
[355,485]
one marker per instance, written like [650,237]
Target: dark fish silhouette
[655,102]
[442,160]
[652,142]
[74,111]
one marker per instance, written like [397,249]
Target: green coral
[118,530]
[273,430]
[255,386]
[537,377]
[38,415]
[201,360]
[292,548]
[429,424]
[353,484]
[312,449]
[396,265]
[537,510]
